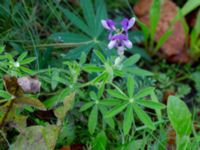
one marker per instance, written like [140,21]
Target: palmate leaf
[101,13]
[88,13]
[90,26]
[75,20]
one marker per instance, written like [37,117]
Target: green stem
[60,45]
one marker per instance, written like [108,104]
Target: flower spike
[119,39]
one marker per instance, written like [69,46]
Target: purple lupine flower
[120,38]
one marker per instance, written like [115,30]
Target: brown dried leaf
[173,48]
[37,138]
[12,86]
[29,84]
[24,100]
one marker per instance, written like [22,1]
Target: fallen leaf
[29,84]
[24,100]
[174,46]
[12,86]
[37,138]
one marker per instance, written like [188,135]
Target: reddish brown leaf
[65,148]
[173,48]
[12,86]
[166,95]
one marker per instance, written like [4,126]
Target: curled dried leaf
[29,84]
[12,86]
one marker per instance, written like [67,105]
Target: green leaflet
[130,86]
[144,92]
[92,122]
[143,116]
[151,104]
[128,119]
[117,109]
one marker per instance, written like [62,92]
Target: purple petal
[108,24]
[110,36]
[128,43]
[104,24]
[131,22]
[125,23]
[119,37]
[112,44]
